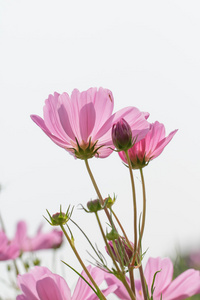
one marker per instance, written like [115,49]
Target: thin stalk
[131,275]
[134,206]
[144,209]
[106,243]
[122,229]
[118,256]
[144,287]
[16,268]
[82,263]
[97,190]
[122,277]
[94,182]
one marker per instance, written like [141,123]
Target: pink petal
[103,105]
[40,122]
[66,117]
[185,285]
[82,290]
[27,284]
[47,289]
[51,117]
[161,145]
[121,291]
[21,234]
[87,120]
[163,278]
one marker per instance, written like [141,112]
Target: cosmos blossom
[185,285]
[82,123]
[41,284]
[149,147]
[41,240]
[8,250]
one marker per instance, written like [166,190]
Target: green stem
[122,276]
[106,243]
[16,268]
[122,229]
[144,210]
[134,207]
[82,263]
[131,276]
[97,190]
[143,282]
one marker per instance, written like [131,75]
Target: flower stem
[122,229]
[97,190]
[144,210]
[82,263]
[134,207]
[121,273]
[131,275]
[106,243]
[144,286]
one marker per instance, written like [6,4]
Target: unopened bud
[122,135]
[124,250]
[59,218]
[109,201]
[94,205]
[112,235]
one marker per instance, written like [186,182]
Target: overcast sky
[148,54]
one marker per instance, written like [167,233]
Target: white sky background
[148,54]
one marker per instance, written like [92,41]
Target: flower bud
[122,135]
[123,249]
[94,205]
[59,218]
[112,235]
[109,201]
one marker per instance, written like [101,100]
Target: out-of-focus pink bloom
[194,260]
[185,285]
[41,240]
[8,250]
[82,123]
[149,147]
[41,284]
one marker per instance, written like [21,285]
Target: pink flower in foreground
[82,123]
[8,250]
[185,285]
[41,284]
[52,239]
[149,147]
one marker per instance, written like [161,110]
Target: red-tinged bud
[124,250]
[122,135]
[59,218]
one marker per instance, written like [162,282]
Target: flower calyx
[95,205]
[109,201]
[86,151]
[60,218]
[112,235]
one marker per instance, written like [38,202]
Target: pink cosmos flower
[41,284]
[52,239]
[185,285]
[8,250]
[148,148]
[82,123]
